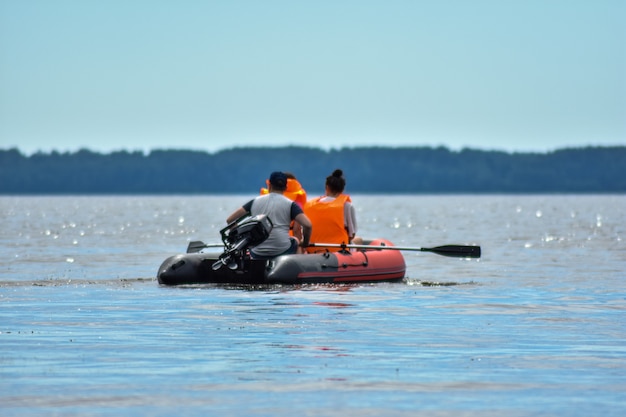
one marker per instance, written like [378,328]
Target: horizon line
[147,151]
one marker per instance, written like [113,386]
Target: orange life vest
[328,221]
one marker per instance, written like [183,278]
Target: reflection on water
[533,328]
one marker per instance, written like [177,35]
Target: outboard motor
[240,235]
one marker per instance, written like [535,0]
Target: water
[536,327]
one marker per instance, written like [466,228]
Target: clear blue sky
[523,75]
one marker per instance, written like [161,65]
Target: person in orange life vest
[281,211]
[332,215]
[294,192]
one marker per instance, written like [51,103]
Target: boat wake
[127,282]
[76,282]
[421,283]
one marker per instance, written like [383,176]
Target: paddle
[197,245]
[455,251]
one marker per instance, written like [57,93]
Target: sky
[518,76]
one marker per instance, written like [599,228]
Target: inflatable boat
[235,266]
[377,261]
[371,265]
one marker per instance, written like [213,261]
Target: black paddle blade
[195,246]
[455,251]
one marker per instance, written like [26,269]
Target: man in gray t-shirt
[281,211]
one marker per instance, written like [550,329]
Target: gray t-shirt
[281,211]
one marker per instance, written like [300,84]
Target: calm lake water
[536,327]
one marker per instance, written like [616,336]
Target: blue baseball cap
[278,179]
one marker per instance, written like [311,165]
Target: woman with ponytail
[332,215]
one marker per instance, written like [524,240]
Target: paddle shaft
[456,251]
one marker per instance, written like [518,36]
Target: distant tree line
[367,170]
